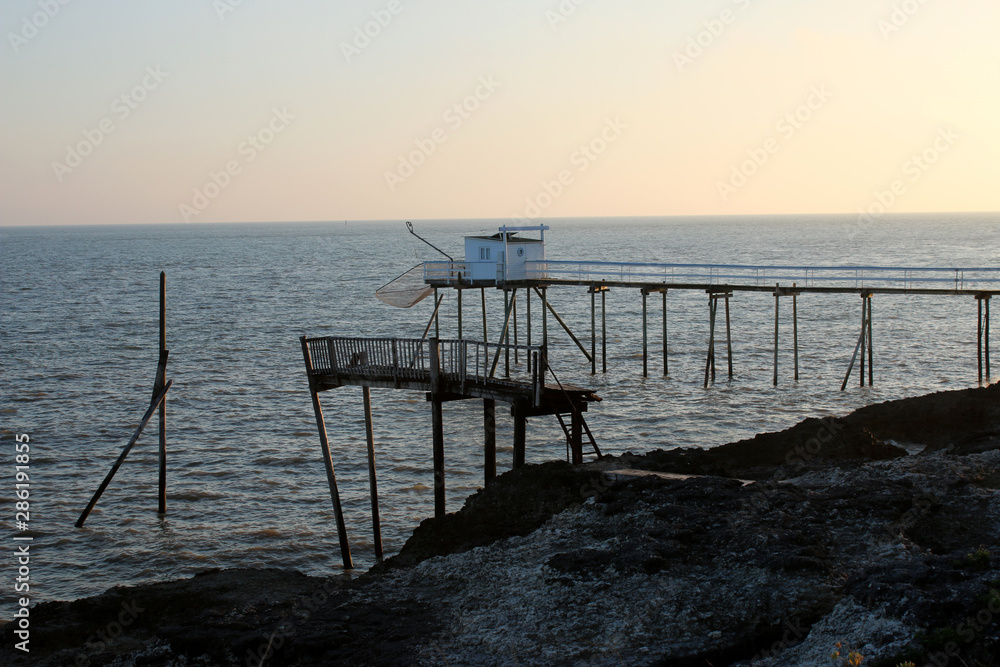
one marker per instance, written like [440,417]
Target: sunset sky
[160,111]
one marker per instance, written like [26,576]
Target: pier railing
[970,278]
[463,362]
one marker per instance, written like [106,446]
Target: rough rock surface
[782,547]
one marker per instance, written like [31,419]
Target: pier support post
[983,346]
[372,480]
[518,411]
[527,315]
[437,425]
[713,305]
[482,291]
[777,302]
[489,440]
[545,317]
[459,298]
[593,330]
[865,337]
[508,307]
[604,331]
[729,339]
[514,315]
[666,347]
[645,337]
[795,328]
[437,320]
[161,378]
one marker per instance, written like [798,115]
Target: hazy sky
[126,111]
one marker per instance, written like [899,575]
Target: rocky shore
[876,533]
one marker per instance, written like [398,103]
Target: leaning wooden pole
[372,480]
[331,476]
[565,327]
[121,457]
[161,372]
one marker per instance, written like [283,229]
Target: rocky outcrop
[769,551]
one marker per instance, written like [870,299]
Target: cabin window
[484,253]
[520,252]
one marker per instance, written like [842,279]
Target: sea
[246,484]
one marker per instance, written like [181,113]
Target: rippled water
[246,484]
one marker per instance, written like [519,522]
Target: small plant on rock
[851,659]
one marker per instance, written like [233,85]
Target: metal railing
[460,361]
[445,271]
[762,275]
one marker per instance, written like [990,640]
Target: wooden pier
[446,370]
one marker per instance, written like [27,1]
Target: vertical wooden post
[482,291]
[795,329]
[777,302]
[527,315]
[666,349]
[437,425]
[593,330]
[864,336]
[437,317]
[729,340]
[372,480]
[871,353]
[545,317]
[459,297]
[645,349]
[710,357]
[489,440]
[576,437]
[514,315]
[520,432]
[979,343]
[505,339]
[604,331]
[986,341]
[160,380]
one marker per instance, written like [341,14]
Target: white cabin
[501,257]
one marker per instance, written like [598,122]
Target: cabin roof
[511,238]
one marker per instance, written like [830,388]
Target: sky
[120,111]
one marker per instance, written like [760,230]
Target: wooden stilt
[795,329]
[527,314]
[459,298]
[593,330]
[486,339]
[505,338]
[516,353]
[520,431]
[710,358]
[986,342]
[604,331]
[545,316]
[437,321]
[121,457]
[857,348]
[871,353]
[864,337]
[372,480]
[437,426]
[645,348]
[331,477]
[729,340]
[666,347]
[777,302]
[979,343]
[490,440]
[504,333]
[161,372]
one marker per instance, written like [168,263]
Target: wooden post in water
[372,481]
[505,338]
[979,340]
[482,291]
[331,476]
[871,353]
[986,342]
[777,301]
[645,348]
[459,297]
[729,339]
[516,355]
[795,328]
[490,440]
[161,378]
[527,315]
[593,330]
[437,425]
[710,358]
[437,319]
[666,348]
[545,317]
[604,331]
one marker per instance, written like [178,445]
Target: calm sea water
[246,483]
